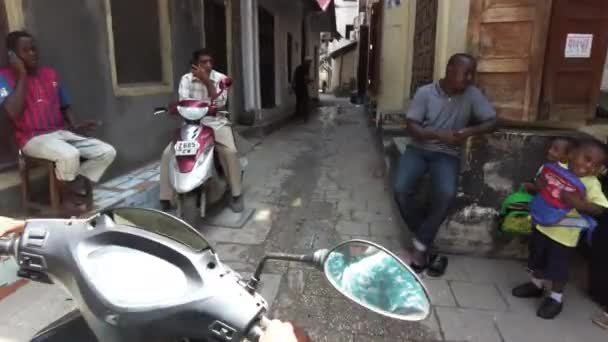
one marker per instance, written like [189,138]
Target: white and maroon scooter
[194,174]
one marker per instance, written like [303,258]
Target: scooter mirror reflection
[374,278]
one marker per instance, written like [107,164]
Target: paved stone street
[320,183]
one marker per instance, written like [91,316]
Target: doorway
[362,64]
[215,34]
[8,148]
[289,57]
[267,60]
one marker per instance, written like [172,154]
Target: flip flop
[437,265]
[418,269]
[421,268]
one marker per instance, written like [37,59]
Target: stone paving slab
[440,292]
[30,309]
[468,325]
[478,296]
[352,228]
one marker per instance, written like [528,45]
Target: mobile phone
[11,54]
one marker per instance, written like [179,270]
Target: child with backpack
[515,215]
[566,195]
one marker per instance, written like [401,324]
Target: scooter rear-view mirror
[367,274]
[373,277]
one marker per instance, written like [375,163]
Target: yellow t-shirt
[569,236]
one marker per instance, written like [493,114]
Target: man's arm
[577,202]
[14,104]
[483,113]
[68,114]
[594,202]
[211,89]
[415,129]
[488,126]
[10,226]
[205,77]
[415,116]
[221,100]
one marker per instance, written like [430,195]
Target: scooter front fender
[186,182]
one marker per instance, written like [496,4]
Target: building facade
[539,61]
[120,59]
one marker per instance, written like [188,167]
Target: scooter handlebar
[8,246]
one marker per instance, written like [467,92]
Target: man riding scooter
[203,84]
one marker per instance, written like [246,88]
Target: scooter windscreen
[159,223]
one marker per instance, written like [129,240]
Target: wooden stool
[25,165]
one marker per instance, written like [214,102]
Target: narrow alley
[315,185]
[318,183]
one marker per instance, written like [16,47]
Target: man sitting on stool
[36,102]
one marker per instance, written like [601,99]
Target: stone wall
[492,167]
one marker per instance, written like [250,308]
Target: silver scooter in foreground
[142,275]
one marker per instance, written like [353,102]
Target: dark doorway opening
[289,57]
[267,61]
[215,34]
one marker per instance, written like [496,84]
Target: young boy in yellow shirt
[551,245]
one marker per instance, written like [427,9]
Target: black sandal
[437,265]
[417,268]
[421,268]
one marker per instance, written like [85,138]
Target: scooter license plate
[186,148]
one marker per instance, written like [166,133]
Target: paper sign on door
[578,45]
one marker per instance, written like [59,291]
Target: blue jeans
[444,170]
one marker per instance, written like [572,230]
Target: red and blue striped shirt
[43,102]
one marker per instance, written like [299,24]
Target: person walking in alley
[202,84]
[300,87]
[36,102]
[441,116]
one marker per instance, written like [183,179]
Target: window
[289,57]
[140,54]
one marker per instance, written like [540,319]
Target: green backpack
[515,218]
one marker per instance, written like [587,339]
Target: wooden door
[508,37]
[424,44]
[8,150]
[573,73]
